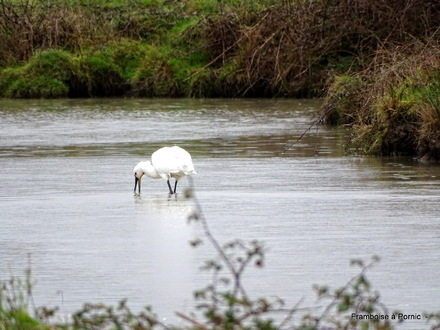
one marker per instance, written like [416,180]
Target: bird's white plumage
[172,162]
[168,162]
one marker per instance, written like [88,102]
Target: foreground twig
[201,217]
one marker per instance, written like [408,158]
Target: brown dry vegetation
[293,48]
[393,106]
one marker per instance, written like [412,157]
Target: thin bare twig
[316,121]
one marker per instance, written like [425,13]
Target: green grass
[45,75]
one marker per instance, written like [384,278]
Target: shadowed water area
[66,199]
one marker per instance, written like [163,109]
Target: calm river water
[66,200]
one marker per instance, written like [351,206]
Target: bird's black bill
[136,183]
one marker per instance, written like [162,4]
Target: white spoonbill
[166,163]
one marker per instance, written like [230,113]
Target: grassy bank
[245,48]
[393,107]
[81,48]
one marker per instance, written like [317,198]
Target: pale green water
[66,198]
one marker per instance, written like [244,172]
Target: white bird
[166,163]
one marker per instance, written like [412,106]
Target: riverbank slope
[375,62]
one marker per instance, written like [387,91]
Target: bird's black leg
[135,183]
[169,186]
[175,187]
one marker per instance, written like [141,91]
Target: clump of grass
[57,73]
[17,307]
[396,108]
[427,110]
[343,103]
[45,75]
[99,77]
[396,120]
[153,77]
[126,54]
[110,69]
